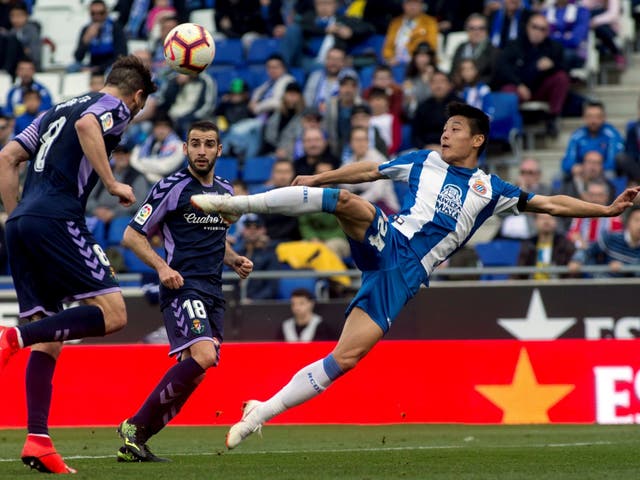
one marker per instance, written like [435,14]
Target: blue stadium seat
[371,46]
[254,75]
[134,264]
[227,168]
[99,231]
[298,74]
[116,229]
[366,75]
[620,183]
[257,169]
[407,141]
[399,72]
[506,120]
[498,253]
[223,75]
[261,48]
[229,52]
[288,285]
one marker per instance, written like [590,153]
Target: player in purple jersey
[448,199]
[53,256]
[190,282]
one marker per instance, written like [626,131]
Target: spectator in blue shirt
[596,134]
[569,25]
[32,101]
[25,71]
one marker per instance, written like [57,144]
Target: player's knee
[347,361]
[115,319]
[206,358]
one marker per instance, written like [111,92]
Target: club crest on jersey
[143,214]
[106,120]
[449,201]
[197,326]
[479,187]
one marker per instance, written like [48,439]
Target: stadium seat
[134,264]
[254,75]
[371,46]
[223,75]
[74,84]
[261,48]
[257,169]
[5,85]
[53,82]
[204,17]
[407,142]
[620,183]
[99,231]
[506,121]
[116,229]
[227,168]
[398,72]
[298,74]
[287,285]
[498,253]
[366,75]
[229,52]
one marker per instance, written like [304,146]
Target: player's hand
[624,201]
[170,278]
[304,181]
[242,266]
[124,192]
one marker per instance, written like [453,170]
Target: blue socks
[71,324]
[38,378]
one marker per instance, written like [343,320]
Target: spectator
[27,32]
[161,153]
[188,99]
[532,67]
[629,162]
[337,117]
[605,22]
[430,116]
[477,47]
[380,14]
[322,84]
[472,90]
[361,117]
[407,31]
[380,192]
[6,129]
[614,249]
[387,123]
[256,247]
[285,125]
[132,15]
[547,248]
[11,51]
[32,102]
[305,325]
[234,106]
[596,134]
[316,150]
[311,118]
[383,79]
[24,82]
[240,19]
[160,9]
[569,24]
[508,23]
[591,169]
[281,228]
[416,86]
[451,14]
[103,39]
[159,66]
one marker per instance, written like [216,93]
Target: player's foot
[135,439]
[249,424]
[219,204]
[9,344]
[39,453]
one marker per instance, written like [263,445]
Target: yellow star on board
[525,400]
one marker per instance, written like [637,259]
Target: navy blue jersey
[60,177]
[193,240]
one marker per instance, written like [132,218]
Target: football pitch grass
[353,452]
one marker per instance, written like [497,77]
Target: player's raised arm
[11,156]
[565,206]
[359,172]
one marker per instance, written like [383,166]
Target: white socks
[287,200]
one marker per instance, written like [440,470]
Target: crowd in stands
[338,81]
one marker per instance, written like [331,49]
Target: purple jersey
[60,177]
[193,240]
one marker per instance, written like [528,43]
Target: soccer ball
[189,48]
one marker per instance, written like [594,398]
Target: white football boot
[249,424]
[209,203]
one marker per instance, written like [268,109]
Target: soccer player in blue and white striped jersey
[448,199]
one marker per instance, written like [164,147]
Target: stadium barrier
[476,382]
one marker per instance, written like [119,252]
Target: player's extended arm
[92,142]
[11,156]
[140,245]
[241,265]
[358,172]
[565,206]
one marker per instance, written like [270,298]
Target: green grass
[354,452]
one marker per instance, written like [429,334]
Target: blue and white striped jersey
[445,204]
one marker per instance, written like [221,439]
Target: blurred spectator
[380,192]
[103,39]
[546,248]
[585,231]
[596,134]
[234,106]
[337,117]
[614,249]
[379,14]
[629,161]
[160,9]
[96,82]
[322,84]
[307,43]
[159,66]
[416,86]
[383,79]
[605,22]
[244,139]
[407,31]
[429,119]
[255,246]
[27,32]
[387,123]
[569,24]
[316,150]
[161,153]
[451,14]
[361,117]
[6,129]
[472,90]
[10,52]
[310,118]
[281,227]
[508,23]
[240,19]
[305,325]
[104,206]
[132,15]
[285,125]
[24,82]
[533,67]
[32,102]
[188,99]
[583,173]
[477,47]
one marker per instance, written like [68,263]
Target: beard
[202,171]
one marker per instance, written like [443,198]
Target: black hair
[302,292]
[478,120]
[203,126]
[129,75]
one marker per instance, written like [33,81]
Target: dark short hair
[302,292]
[377,92]
[204,126]
[31,92]
[595,104]
[278,57]
[129,75]
[627,215]
[478,120]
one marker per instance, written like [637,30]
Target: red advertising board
[471,381]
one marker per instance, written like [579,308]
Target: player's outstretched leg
[9,344]
[250,423]
[40,454]
[291,201]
